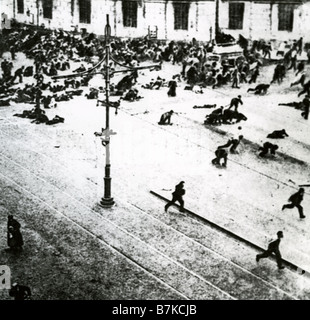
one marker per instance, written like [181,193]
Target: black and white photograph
[154,150]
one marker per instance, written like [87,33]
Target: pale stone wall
[205,20]
[260,19]
[151,13]
[256,20]
[23,17]
[156,15]
[61,15]
[161,14]
[260,15]
[129,32]
[6,7]
[201,18]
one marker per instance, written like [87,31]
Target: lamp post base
[107,202]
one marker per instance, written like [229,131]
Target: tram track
[99,215]
[61,164]
[29,193]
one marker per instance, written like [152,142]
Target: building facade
[276,20]
[177,20]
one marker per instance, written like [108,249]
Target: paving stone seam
[261,279]
[216,253]
[277,288]
[63,165]
[118,227]
[97,238]
[200,146]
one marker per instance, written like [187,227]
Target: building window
[48,9]
[236,12]
[181,16]
[72,8]
[85,11]
[130,12]
[286,17]
[20,6]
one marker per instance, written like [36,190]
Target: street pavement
[52,181]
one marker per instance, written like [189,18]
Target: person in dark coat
[306,104]
[306,89]
[232,144]
[19,73]
[13,52]
[299,45]
[268,147]
[278,134]
[300,67]
[218,111]
[127,82]
[266,50]
[53,71]
[14,236]
[260,89]
[299,80]
[55,120]
[273,247]
[205,106]
[235,103]
[172,88]
[279,73]
[296,200]
[254,75]
[192,75]
[177,195]
[5,103]
[235,78]
[28,71]
[93,94]
[166,118]
[220,153]
[293,59]
[20,292]
[80,69]
[132,95]
[157,84]
[297,105]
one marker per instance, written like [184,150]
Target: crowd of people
[54,52]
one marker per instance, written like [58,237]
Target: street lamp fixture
[107,201]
